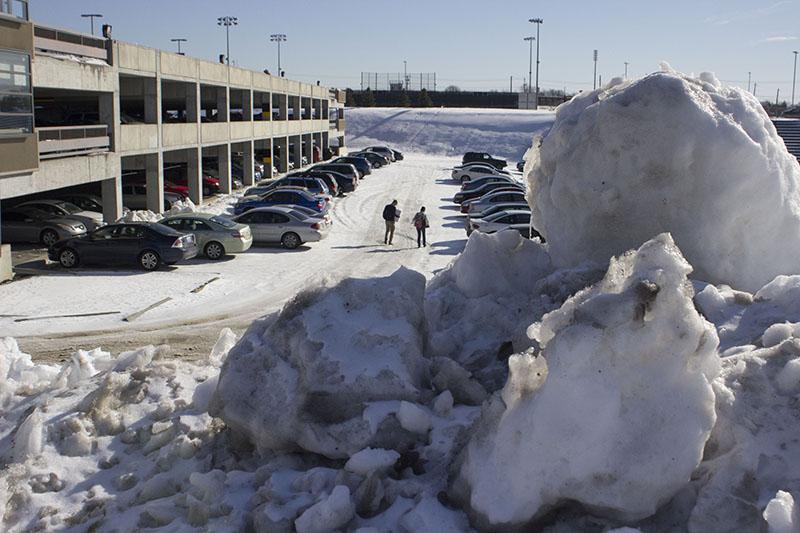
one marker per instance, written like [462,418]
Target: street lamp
[91,17]
[179,41]
[278,38]
[794,76]
[594,76]
[405,74]
[538,22]
[749,77]
[626,70]
[530,40]
[227,22]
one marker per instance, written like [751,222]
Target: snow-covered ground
[513,388]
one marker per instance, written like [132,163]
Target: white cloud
[778,39]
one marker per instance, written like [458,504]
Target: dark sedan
[376,160]
[146,244]
[361,164]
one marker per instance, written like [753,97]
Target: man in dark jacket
[390,216]
[420,222]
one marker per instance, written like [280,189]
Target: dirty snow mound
[304,380]
[669,152]
[613,412]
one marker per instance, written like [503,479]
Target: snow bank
[303,380]
[615,410]
[479,308]
[673,153]
[181,206]
[447,131]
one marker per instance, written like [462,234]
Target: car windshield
[222,221]
[70,208]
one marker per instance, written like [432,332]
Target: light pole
[278,38]
[594,76]
[179,41]
[538,22]
[794,76]
[530,69]
[626,70]
[227,22]
[748,81]
[91,17]
[405,74]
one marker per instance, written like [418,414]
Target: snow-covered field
[522,386]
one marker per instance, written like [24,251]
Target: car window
[129,232]
[175,223]
[14,217]
[104,233]
[507,219]
[224,222]
[70,208]
[279,218]
[247,218]
[193,224]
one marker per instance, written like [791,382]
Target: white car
[516,219]
[468,173]
[495,208]
[60,208]
[487,200]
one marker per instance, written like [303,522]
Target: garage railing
[66,141]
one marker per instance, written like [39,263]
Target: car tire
[290,240]
[214,250]
[149,260]
[68,258]
[48,237]
[206,191]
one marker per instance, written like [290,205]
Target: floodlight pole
[179,41]
[227,22]
[91,17]
[594,76]
[278,38]
[530,70]
[538,23]
[794,76]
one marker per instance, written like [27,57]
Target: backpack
[388,213]
[419,221]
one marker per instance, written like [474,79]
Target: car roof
[42,201]
[190,214]
[512,212]
[272,208]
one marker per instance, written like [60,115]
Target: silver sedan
[26,224]
[283,225]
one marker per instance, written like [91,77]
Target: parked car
[134,196]
[463,196]
[26,224]
[494,197]
[215,236]
[87,202]
[327,179]
[375,159]
[282,196]
[361,164]
[484,158]
[496,207]
[145,244]
[385,151]
[312,184]
[470,172]
[284,225]
[312,214]
[471,185]
[342,168]
[345,183]
[398,156]
[210,184]
[521,166]
[61,208]
[502,220]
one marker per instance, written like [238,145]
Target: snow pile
[615,410]
[479,308]
[673,153]
[447,131]
[304,380]
[181,206]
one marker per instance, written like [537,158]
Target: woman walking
[420,222]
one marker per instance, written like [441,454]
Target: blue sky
[469,43]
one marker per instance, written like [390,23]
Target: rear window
[222,221]
[161,229]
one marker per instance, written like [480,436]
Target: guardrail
[65,42]
[66,141]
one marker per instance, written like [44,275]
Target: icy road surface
[252,283]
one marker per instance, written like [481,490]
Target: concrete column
[269,174]
[283,156]
[111,191]
[224,164]
[247,105]
[194,158]
[247,163]
[308,151]
[269,103]
[152,100]
[283,114]
[154,172]
[193,102]
[223,104]
[108,104]
[326,140]
[297,151]
[6,271]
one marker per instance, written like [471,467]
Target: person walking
[390,216]
[420,222]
